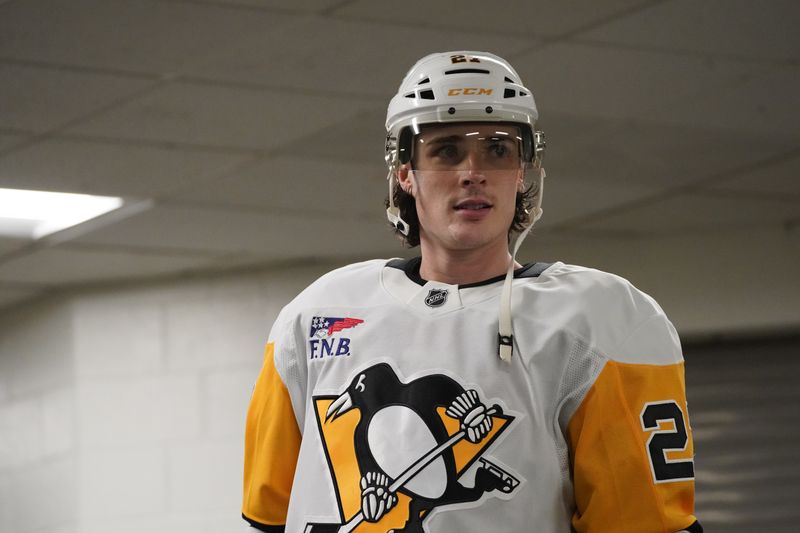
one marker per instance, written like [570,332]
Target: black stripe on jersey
[411,269]
[264,527]
[694,528]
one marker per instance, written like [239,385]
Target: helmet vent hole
[510,93]
[523,93]
[427,94]
[423,82]
[467,71]
[509,80]
[410,95]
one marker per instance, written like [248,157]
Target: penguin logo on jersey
[397,451]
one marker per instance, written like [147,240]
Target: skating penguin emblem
[397,450]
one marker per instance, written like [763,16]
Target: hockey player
[462,391]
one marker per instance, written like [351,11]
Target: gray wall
[123,410]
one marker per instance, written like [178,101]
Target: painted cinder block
[121,483]
[21,432]
[206,477]
[36,348]
[228,395]
[206,333]
[117,335]
[43,495]
[58,422]
[148,410]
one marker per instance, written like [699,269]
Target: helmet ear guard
[393,212]
[405,145]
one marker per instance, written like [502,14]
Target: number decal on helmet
[463,59]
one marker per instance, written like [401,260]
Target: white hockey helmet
[460,86]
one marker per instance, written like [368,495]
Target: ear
[405,178]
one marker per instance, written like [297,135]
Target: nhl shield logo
[436,298]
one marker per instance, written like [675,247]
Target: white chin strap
[392,212]
[505,334]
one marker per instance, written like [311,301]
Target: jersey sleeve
[272,444]
[631,450]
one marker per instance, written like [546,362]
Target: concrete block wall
[38,421]
[123,410]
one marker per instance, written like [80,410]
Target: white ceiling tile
[360,139]
[146,36]
[64,265]
[8,140]
[513,17]
[569,196]
[71,165]
[617,83]
[274,236]
[765,106]
[781,179]
[323,54]
[288,5]
[39,99]
[651,153]
[568,129]
[220,116]
[11,296]
[693,212]
[727,27]
[299,185]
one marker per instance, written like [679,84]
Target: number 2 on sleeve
[664,439]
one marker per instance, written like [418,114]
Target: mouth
[472,205]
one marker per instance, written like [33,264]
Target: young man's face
[464,178]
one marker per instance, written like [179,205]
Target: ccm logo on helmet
[470,91]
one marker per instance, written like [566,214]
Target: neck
[460,267]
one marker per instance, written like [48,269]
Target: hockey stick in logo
[415,468]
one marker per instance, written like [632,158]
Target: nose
[473,170]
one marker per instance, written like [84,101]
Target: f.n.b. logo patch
[322,342]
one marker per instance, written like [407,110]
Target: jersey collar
[400,277]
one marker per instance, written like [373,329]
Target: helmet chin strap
[505,334]
[392,212]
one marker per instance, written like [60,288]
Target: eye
[500,149]
[446,151]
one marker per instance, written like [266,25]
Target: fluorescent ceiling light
[35,214]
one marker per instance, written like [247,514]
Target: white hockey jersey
[374,381]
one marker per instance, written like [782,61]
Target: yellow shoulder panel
[272,442]
[631,452]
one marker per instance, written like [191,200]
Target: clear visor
[468,147]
